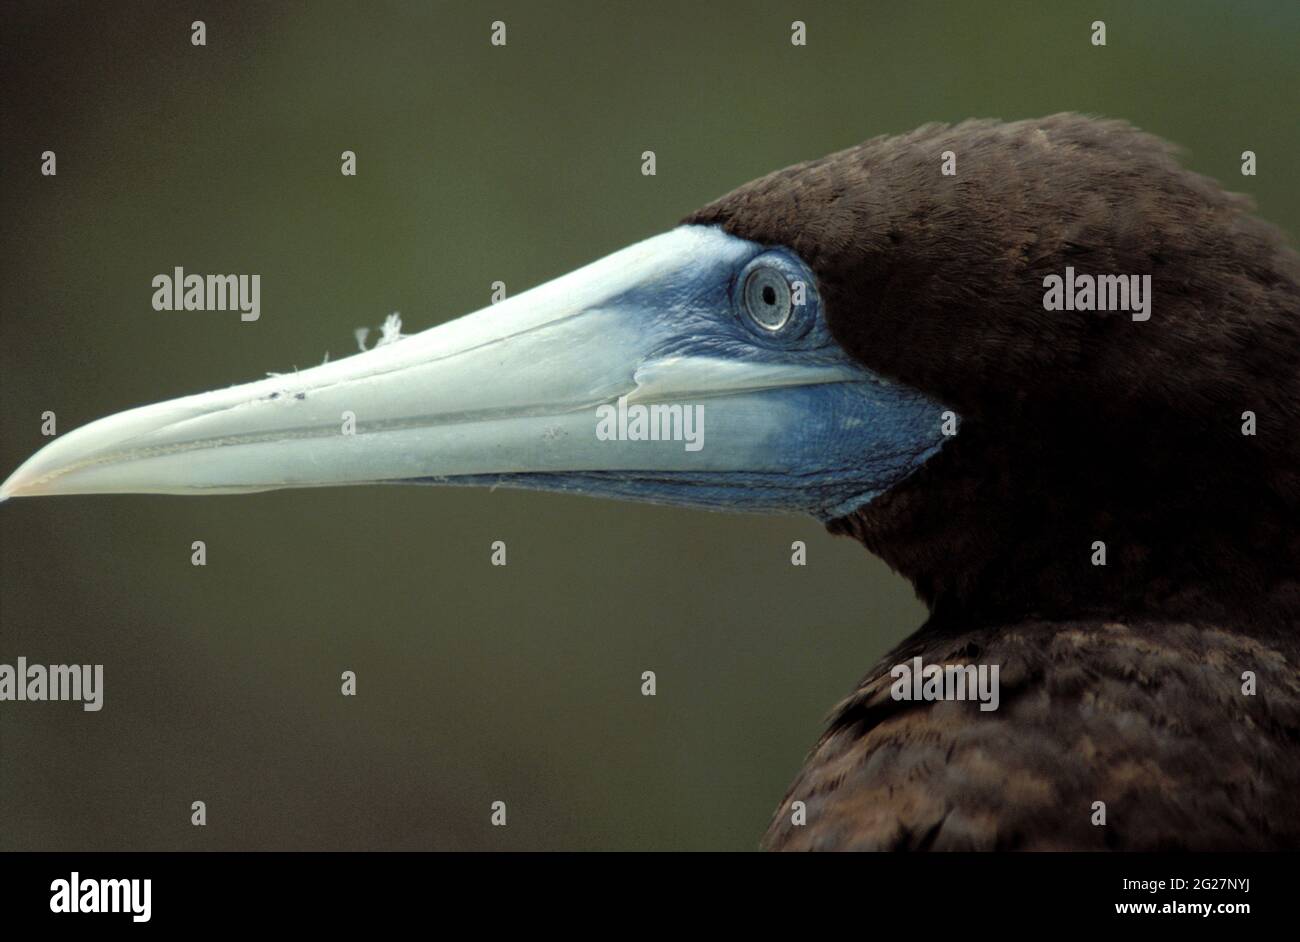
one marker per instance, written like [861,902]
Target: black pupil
[769,294]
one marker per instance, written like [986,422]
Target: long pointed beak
[515,389]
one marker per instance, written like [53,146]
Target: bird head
[1108,461]
[863,338]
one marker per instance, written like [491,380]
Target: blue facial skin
[840,444]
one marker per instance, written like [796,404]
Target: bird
[1097,500]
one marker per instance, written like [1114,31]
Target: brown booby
[1056,389]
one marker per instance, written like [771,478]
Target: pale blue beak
[692,368]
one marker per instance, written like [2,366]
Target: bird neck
[1153,522]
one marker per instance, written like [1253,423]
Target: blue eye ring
[776,298]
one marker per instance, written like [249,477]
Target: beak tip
[22,482]
[12,487]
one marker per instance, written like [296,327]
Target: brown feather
[1075,427]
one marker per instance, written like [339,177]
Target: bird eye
[767,298]
[775,299]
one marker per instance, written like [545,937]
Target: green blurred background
[475,164]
